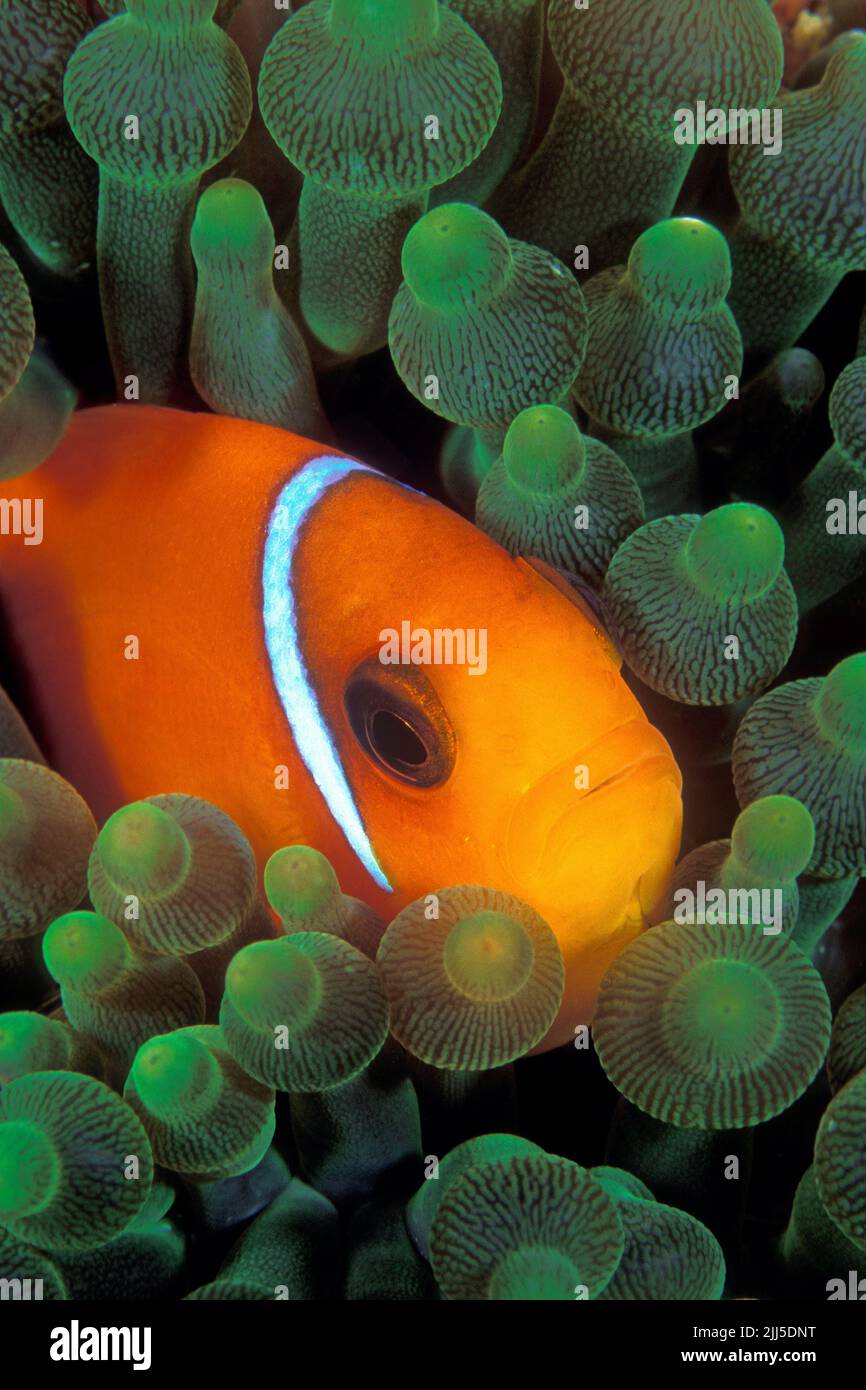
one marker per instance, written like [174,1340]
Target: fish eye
[398,719]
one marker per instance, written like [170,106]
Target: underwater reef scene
[433,650]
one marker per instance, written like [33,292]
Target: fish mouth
[591,846]
[606,789]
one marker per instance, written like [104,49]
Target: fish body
[208,613]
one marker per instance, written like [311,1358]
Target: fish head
[476,724]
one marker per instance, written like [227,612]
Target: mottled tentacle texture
[31,1042]
[771,843]
[482,326]
[527,1227]
[711,1027]
[17,324]
[113,995]
[776,410]
[48,185]
[847,1054]
[808,739]
[76,1166]
[204,1116]
[247,357]
[475,986]
[20,1261]
[701,607]
[157,97]
[36,401]
[556,495]
[825,546]
[305,1012]
[174,872]
[381,1261]
[302,888]
[803,223]
[668,1253]
[664,356]
[813,1248]
[291,1251]
[362,1138]
[376,102]
[821,902]
[514,32]
[840,1175]
[463,1158]
[46,835]
[610,165]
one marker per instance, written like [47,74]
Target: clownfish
[223,609]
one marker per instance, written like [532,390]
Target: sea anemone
[476,987]
[75,1164]
[711,1027]
[531,1227]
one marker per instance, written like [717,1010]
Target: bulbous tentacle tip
[176,871]
[187,95]
[85,951]
[747,1009]
[301,885]
[230,216]
[544,450]
[405,57]
[488,967]
[173,1069]
[31,1042]
[684,263]
[774,838]
[396,22]
[841,704]
[526,1227]
[46,836]
[848,412]
[455,256]
[798,376]
[141,845]
[737,550]
[274,980]
[303,987]
[73,1126]
[140,840]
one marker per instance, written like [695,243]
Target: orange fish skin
[155,528]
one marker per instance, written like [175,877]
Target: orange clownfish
[221,608]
